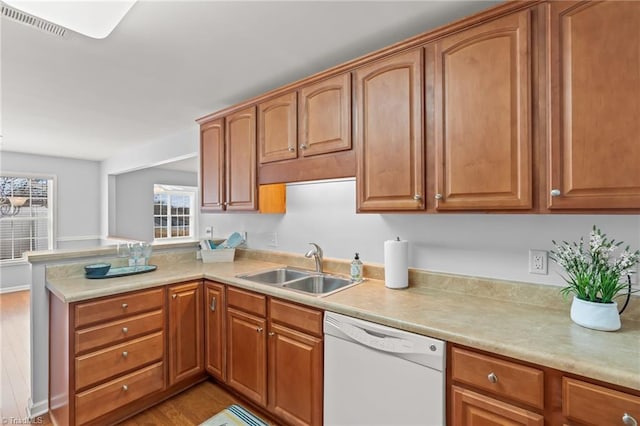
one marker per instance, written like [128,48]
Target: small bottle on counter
[356,269]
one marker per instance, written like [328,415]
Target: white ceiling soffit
[170,62]
[95,19]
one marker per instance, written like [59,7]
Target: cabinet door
[247,356]
[390,146]
[295,376]
[325,116]
[483,116]
[212,164]
[595,105]
[473,409]
[277,131]
[185,331]
[214,330]
[242,193]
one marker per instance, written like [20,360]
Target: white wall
[77,205]
[485,245]
[134,200]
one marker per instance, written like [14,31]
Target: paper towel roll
[396,263]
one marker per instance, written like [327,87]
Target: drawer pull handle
[125,330]
[125,388]
[125,306]
[555,193]
[125,354]
[174,296]
[259,329]
[629,420]
[212,306]
[492,378]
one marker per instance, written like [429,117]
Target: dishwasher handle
[378,341]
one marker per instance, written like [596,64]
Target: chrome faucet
[316,253]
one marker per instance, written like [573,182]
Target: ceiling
[170,62]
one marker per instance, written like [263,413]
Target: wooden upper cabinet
[594,61]
[277,128]
[241,187]
[212,164]
[482,108]
[389,140]
[325,116]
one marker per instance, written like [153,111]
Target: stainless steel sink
[314,283]
[319,284]
[276,276]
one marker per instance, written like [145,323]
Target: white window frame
[191,191]
[53,211]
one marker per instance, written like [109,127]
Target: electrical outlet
[538,262]
[272,239]
[209,231]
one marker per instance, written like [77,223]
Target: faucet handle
[317,249]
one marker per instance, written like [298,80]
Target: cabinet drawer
[504,378]
[117,393]
[247,301]
[295,316]
[596,405]
[118,306]
[114,360]
[118,331]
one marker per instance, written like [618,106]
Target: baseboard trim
[38,409]
[13,289]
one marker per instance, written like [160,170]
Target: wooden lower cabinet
[214,330]
[586,403]
[473,409]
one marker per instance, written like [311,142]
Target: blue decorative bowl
[97,269]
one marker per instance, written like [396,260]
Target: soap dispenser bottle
[356,269]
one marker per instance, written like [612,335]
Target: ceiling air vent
[24,18]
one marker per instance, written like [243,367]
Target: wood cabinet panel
[214,330]
[212,171]
[302,318]
[117,393]
[483,116]
[295,376]
[186,353]
[118,331]
[596,405]
[514,381]
[389,140]
[103,364]
[594,61]
[248,301]
[325,116]
[116,307]
[473,409]
[240,160]
[247,356]
[278,128]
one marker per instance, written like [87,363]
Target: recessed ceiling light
[95,19]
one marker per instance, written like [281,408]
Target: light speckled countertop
[544,336]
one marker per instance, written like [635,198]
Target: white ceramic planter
[597,316]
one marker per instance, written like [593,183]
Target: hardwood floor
[14,354]
[191,407]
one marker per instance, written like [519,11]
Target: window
[26,216]
[173,211]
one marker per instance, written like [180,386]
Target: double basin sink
[315,283]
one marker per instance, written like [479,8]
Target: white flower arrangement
[594,275]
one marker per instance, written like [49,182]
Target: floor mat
[234,415]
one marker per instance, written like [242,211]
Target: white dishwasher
[377,375]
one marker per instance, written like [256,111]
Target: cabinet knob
[271,333]
[438,196]
[303,147]
[291,149]
[212,305]
[629,420]
[125,306]
[492,377]
[125,354]
[125,330]
[174,296]
[125,388]
[555,192]
[225,204]
[417,197]
[259,329]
